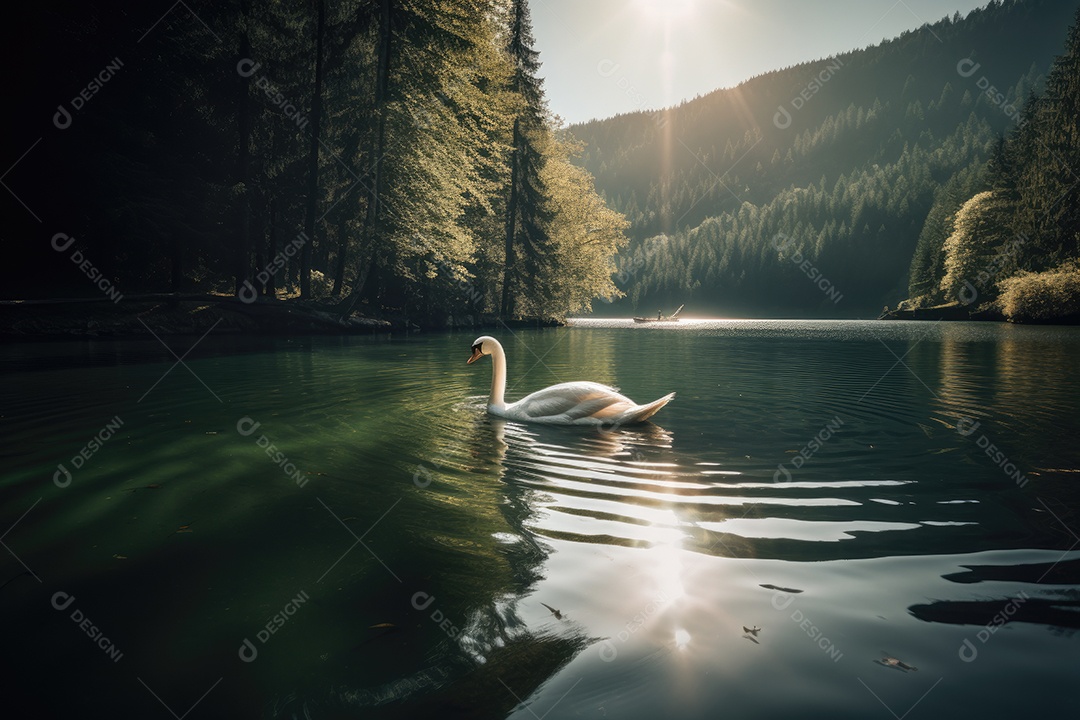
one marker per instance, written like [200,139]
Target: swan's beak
[476,355]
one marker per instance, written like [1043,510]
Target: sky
[605,57]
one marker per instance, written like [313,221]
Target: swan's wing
[572,400]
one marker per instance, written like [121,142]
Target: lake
[831,519]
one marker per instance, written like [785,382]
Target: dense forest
[376,155]
[398,156]
[814,190]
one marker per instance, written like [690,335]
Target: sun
[666,9]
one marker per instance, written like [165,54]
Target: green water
[391,554]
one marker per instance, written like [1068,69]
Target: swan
[572,403]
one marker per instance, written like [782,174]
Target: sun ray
[666,9]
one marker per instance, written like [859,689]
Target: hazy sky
[603,57]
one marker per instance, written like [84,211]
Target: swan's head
[483,345]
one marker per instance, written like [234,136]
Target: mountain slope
[804,191]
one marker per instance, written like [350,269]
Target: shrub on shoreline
[1035,297]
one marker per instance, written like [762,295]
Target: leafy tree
[970,249]
[584,237]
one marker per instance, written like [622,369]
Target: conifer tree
[527,213]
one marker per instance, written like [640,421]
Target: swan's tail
[644,412]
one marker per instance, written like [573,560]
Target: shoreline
[196,314]
[955,312]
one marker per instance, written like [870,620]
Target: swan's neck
[498,377]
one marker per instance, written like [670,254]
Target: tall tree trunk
[271,250]
[349,156]
[343,252]
[511,225]
[242,254]
[313,157]
[376,151]
[258,240]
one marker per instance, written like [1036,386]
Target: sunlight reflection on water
[610,569]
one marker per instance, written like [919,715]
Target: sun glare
[666,8]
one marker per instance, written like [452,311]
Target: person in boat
[659,314]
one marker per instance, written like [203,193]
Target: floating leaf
[890,661]
[556,613]
[770,586]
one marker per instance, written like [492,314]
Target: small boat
[673,317]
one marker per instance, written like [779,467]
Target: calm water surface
[333,528]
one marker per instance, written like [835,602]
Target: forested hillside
[385,155]
[398,156]
[805,191]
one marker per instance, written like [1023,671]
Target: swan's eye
[478,347]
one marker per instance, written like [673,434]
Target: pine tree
[584,237]
[527,212]
[1058,176]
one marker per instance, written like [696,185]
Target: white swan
[572,403]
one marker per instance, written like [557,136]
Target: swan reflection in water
[506,637]
[615,485]
[608,486]
[510,639]
[539,489]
